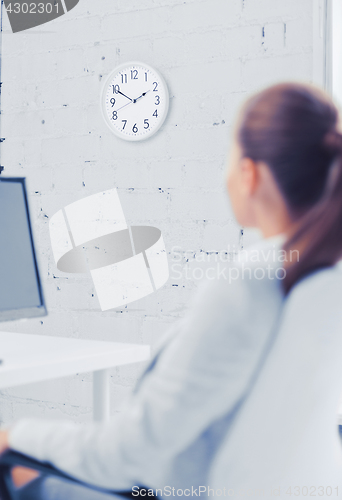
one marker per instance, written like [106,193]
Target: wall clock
[135,101]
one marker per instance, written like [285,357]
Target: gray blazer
[190,395]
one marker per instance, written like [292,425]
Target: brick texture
[213,54]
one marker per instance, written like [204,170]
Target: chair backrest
[285,435]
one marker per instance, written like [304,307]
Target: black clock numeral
[155,87]
[146,77]
[124,78]
[112,101]
[123,128]
[158,100]
[134,74]
[115,115]
[155,114]
[116,89]
[135,128]
[146,124]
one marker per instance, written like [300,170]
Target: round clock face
[135,101]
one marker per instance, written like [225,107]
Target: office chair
[12,459]
[286,436]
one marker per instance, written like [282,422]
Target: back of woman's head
[294,130]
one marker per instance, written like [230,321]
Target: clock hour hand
[119,92]
[142,95]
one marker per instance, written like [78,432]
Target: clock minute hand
[119,92]
[142,95]
[124,106]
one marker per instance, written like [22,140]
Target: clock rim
[103,99]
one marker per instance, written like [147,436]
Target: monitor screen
[20,288]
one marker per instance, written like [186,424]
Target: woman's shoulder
[250,279]
[237,315]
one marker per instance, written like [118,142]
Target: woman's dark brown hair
[294,129]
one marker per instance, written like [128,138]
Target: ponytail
[319,236]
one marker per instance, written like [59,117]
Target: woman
[285,178]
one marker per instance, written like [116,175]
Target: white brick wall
[212,53]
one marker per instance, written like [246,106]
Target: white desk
[30,358]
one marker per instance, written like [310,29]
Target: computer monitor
[20,287]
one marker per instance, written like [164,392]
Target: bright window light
[337,52]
